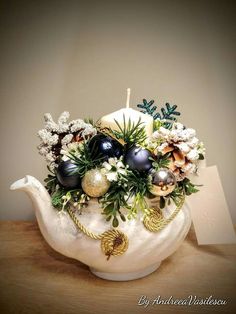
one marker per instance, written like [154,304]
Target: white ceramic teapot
[146,249]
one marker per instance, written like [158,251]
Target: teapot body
[145,251]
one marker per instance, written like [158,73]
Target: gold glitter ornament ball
[95,183]
[163,182]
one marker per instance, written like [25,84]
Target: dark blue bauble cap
[137,158]
[67,175]
[104,146]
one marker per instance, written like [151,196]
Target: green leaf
[108,209]
[201,157]
[188,187]
[162,202]
[57,198]
[122,217]
[108,218]
[51,183]
[115,222]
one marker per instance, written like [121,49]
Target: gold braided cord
[153,222]
[156,222]
[114,242]
[83,228]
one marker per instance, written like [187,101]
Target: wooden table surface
[36,279]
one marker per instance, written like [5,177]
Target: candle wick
[128,98]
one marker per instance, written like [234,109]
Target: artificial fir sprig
[128,192]
[168,114]
[85,160]
[51,183]
[138,183]
[130,133]
[147,107]
[113,201]
[161,161]
[57,198]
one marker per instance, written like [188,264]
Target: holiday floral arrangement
[122,166]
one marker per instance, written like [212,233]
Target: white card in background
[209,210]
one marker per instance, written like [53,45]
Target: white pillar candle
[129,113]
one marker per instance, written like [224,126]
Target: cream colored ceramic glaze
[146,249]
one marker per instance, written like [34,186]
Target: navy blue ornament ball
[105,146]
[137,158]
[67,175]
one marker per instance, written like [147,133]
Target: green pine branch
[85,161]
[161,161]
[112,202]
[131,132]
[168,113]
[131,185]
[148,107]
[51,181]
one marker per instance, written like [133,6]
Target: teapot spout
[39,196]
[35,190]
[57,227]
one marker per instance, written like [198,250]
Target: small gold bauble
[95,183]
[114,242]
[163,182]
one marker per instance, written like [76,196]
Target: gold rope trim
[114,242]
[83,228]
[155,221]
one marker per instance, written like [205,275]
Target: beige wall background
[82,55]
